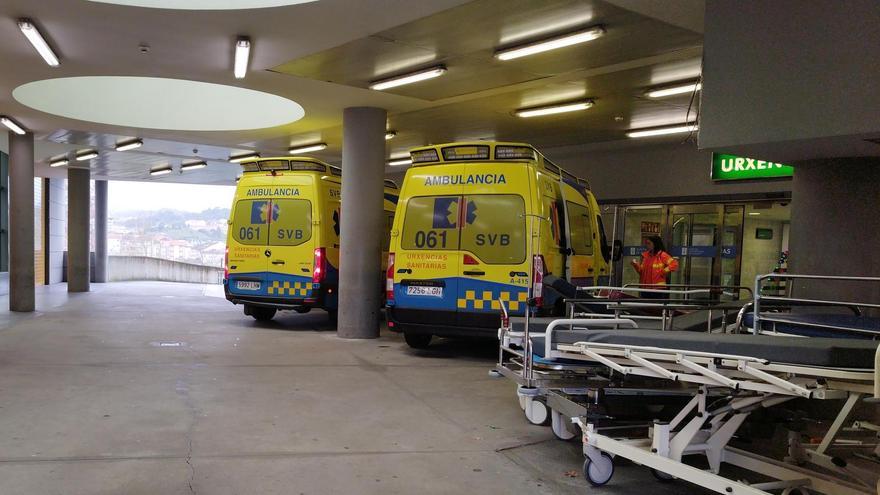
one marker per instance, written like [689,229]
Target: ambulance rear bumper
[444,323]
[271,302]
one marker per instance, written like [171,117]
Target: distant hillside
[173,223]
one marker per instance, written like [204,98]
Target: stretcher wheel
[663,477]
[599,473]
[537,412]
[561,427]
[523,401]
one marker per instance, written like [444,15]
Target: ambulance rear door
[427,257]
[292,232]
[496,200]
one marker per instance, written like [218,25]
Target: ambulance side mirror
[617,250]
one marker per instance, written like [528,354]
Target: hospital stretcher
[566,366]
[751,373]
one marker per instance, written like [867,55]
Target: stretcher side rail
[668,306]
[759,300]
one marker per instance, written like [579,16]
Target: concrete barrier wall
[123,268]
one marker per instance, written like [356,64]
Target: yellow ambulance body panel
[283,239]
[460,241]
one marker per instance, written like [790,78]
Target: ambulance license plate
[247,285]
[419,290]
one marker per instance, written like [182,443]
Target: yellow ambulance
[282,248]
[460,241]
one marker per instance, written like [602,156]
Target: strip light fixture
[674,90]
[552,109]
[554,43]
[297,150]
[11,124]
[241,158]
[410,78]
[662,131]
[59,162]
[242,55]
[82,156]
[161,171]
[390,135]
[192,166]
[33,35]
[129,145]
[399,162]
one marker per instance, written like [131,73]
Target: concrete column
[360,269]
[101,231]
[21,222]
[78,229]
[834,227]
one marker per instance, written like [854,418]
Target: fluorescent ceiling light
[551,109]
[397,162]
[409,78]
[86,155]
[390,135]
[161,171]
[754,213]
[307,148]
[129,145]
[674,90]
[192,166]
[550,44]
[242,54]
[241,158]
[33,35]
[59,162]
[662,131]
[12,125]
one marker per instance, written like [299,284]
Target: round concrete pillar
[21,222]
[100,231]
[78,204]
[360,268]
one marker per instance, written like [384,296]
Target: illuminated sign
[732,167]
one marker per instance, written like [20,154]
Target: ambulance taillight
[226,265]
[320,269]
[538,280]
[389,279]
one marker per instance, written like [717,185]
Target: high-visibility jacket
[654,268]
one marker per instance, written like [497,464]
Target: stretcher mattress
[797,327]
[822,352]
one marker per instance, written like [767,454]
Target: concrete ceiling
[323,55]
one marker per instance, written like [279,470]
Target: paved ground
[154,388]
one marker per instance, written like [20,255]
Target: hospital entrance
[717,244]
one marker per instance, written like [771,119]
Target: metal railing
[788,302]
[668,306]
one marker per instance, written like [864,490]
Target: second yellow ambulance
[460,244]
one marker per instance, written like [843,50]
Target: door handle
[474,273]
[404,270]
[277,262]
[519,274]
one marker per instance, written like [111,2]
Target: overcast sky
[126,195]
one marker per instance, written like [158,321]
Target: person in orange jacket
[655,266]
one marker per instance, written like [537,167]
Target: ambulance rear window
[276,222]
[494,228]
[431,222]
[292,224]
[491,226]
